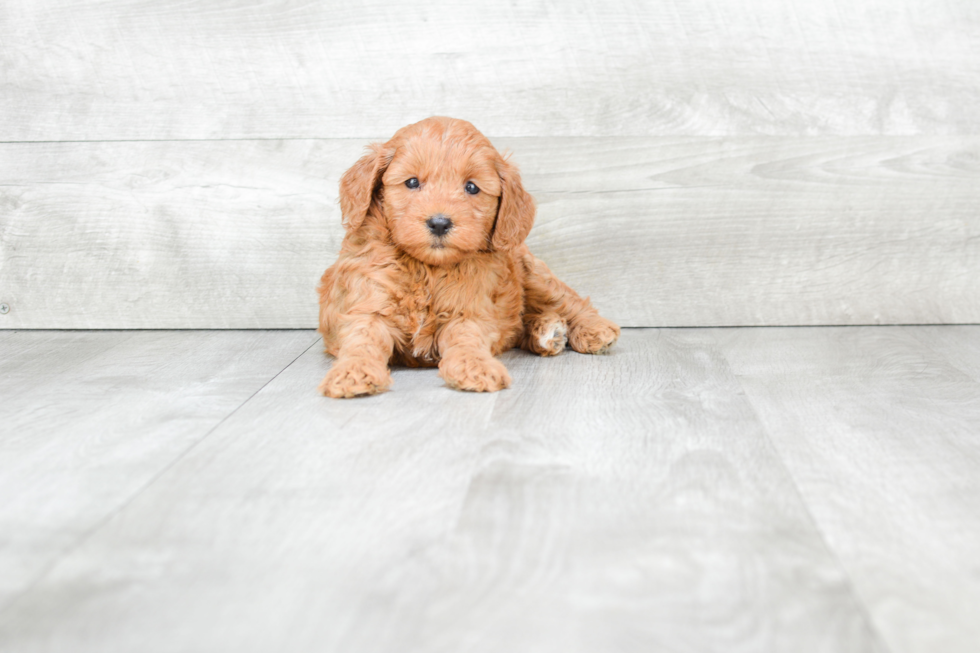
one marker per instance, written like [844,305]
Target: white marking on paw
[555,332]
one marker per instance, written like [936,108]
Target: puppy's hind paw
[355,378]
[546,337]
[594,336]
[474,374]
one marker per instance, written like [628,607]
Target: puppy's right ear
[358,184]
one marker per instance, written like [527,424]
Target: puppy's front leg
[361,367]
[467,362]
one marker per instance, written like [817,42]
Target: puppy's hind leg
[591,333]
[545,334]
[546,294]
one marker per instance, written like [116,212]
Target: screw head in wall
[4,309]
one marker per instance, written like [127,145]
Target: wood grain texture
[628,502]
[90,418]
[177,235]
[882,435]
[135,69]
[959,344]
[658,231]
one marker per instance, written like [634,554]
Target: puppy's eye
[471,188]
[413,182]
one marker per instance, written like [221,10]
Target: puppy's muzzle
[439,224]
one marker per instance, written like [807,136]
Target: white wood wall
[706,162]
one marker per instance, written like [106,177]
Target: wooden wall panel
[140,69]
[660,231]
[696,163]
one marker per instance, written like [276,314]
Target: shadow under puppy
[433,269]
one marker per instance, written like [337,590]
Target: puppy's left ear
[515,213]
[358,184]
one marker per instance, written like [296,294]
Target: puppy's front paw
[593,336]
[474,373]
[353,377]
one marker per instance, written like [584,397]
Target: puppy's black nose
[439,224]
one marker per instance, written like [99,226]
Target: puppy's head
[442,190]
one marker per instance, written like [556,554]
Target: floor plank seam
[858,598]
[108,518]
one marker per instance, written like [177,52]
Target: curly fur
[398,293]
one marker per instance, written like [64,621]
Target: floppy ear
[515,213]
[358,184]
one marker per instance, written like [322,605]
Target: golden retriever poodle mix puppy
[433,269]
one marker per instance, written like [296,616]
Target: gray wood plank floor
[882,435]
[89,418]
[779,489]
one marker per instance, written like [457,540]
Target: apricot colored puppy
[433,269]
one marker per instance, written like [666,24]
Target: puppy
[433,269]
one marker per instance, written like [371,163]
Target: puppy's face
[441,192]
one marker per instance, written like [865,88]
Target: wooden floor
[776,489]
